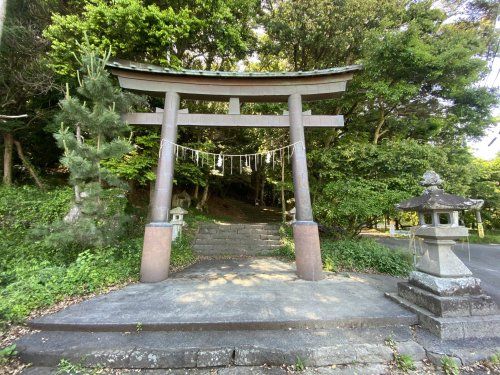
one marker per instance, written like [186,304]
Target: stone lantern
[439,227]
[177,221]
[292,213]
[447,299]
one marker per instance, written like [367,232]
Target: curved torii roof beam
[220,86]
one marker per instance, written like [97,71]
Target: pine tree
[92,132]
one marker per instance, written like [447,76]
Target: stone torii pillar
[158,234]
[305,230]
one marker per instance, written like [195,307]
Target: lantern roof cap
[435,199]
[178,211]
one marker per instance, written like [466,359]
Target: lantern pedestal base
[439,260]
[307,250]
[450,308]
[156,252]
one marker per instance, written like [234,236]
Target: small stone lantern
[177,221]
[447,299]
[292,213]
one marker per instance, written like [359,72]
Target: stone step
[233,250]
[239,235]
[217,251]
[240,225]
[237,239]
[170,350]
[238,231]
[453,328]
[238,228]
[236,242]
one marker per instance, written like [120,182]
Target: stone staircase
[248,239]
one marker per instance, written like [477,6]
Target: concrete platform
[238,294]
[236,316]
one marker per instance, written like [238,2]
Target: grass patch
[404,362]
[36,274]
[287,248]
[364,255]
[358,255]
[450,367]
[490,236]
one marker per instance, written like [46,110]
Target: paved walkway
[261,293]
[230,315]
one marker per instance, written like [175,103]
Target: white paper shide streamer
[238,163]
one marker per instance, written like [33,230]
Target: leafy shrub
[6,353]
[360,255]
[495,359]
[450,367]
[32,285]
[26,206]
[354,204]
[37,274]
[182,252]
[103,221]
[364,255]
[287,248]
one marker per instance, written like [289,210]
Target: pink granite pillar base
[307,250]
[156,252]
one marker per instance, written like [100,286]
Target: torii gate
[293,87]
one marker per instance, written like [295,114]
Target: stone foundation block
[307,250]
[461,305]
[441,286]
[156,252]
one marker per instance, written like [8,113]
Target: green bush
[26,206]
[287,248]
[350,205]
[32,285]
[364,255]
[38,273]
[359,255]
[182,252]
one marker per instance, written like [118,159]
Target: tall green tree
[92,132]
[204,34]
[420,65]
[26,85]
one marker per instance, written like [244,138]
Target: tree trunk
[8,141]
[283,203]
[378,129]
[3,11]
[262,191]
[257,189]
[78,198]
[196,191]
[204,197]
[28,165]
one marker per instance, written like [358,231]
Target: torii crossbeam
[235,87]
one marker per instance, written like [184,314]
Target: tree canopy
[413,107]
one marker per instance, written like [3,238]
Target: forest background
[417,102]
